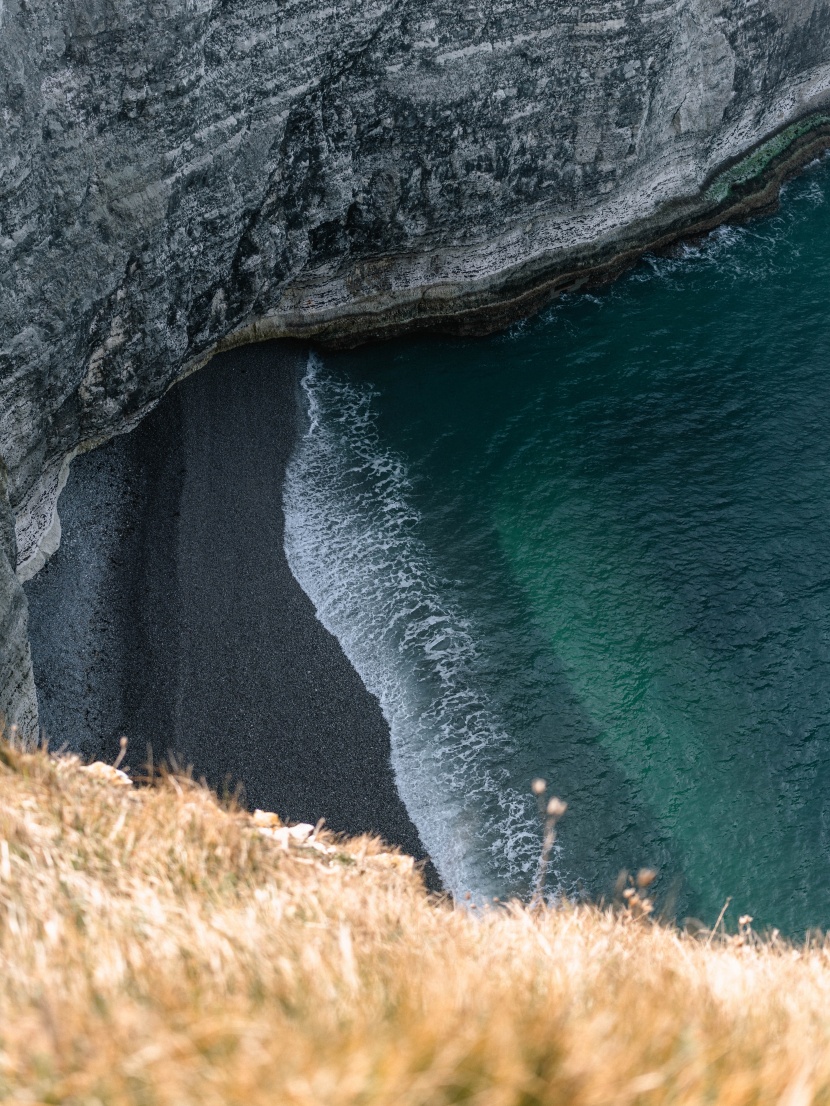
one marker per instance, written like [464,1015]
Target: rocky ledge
[182,175]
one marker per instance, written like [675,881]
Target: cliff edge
[159,947]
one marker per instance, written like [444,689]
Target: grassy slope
[157,948]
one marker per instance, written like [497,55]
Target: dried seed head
[645,877]
[556,808]
[538,787]
[123,752]
[745,920]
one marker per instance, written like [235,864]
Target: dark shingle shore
[190,632]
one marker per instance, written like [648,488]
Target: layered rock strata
[181,175]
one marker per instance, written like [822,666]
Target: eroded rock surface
[18,702]
[180,173]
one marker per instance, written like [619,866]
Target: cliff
[185,174]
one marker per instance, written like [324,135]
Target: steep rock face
[18,702]
[178,174]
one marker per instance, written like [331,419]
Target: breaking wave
[352,541]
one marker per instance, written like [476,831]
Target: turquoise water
[597,549]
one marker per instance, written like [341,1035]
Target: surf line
[352,540]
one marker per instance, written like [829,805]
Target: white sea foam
[352,541]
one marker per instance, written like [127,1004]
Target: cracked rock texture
[178,174]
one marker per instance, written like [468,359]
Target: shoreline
[202,637]
[148,473]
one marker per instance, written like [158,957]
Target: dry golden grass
[157,948]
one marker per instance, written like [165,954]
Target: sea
[595,549]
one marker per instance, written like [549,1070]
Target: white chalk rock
[108,773]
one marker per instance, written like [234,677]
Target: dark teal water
[597,549]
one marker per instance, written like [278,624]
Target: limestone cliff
[178,174]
